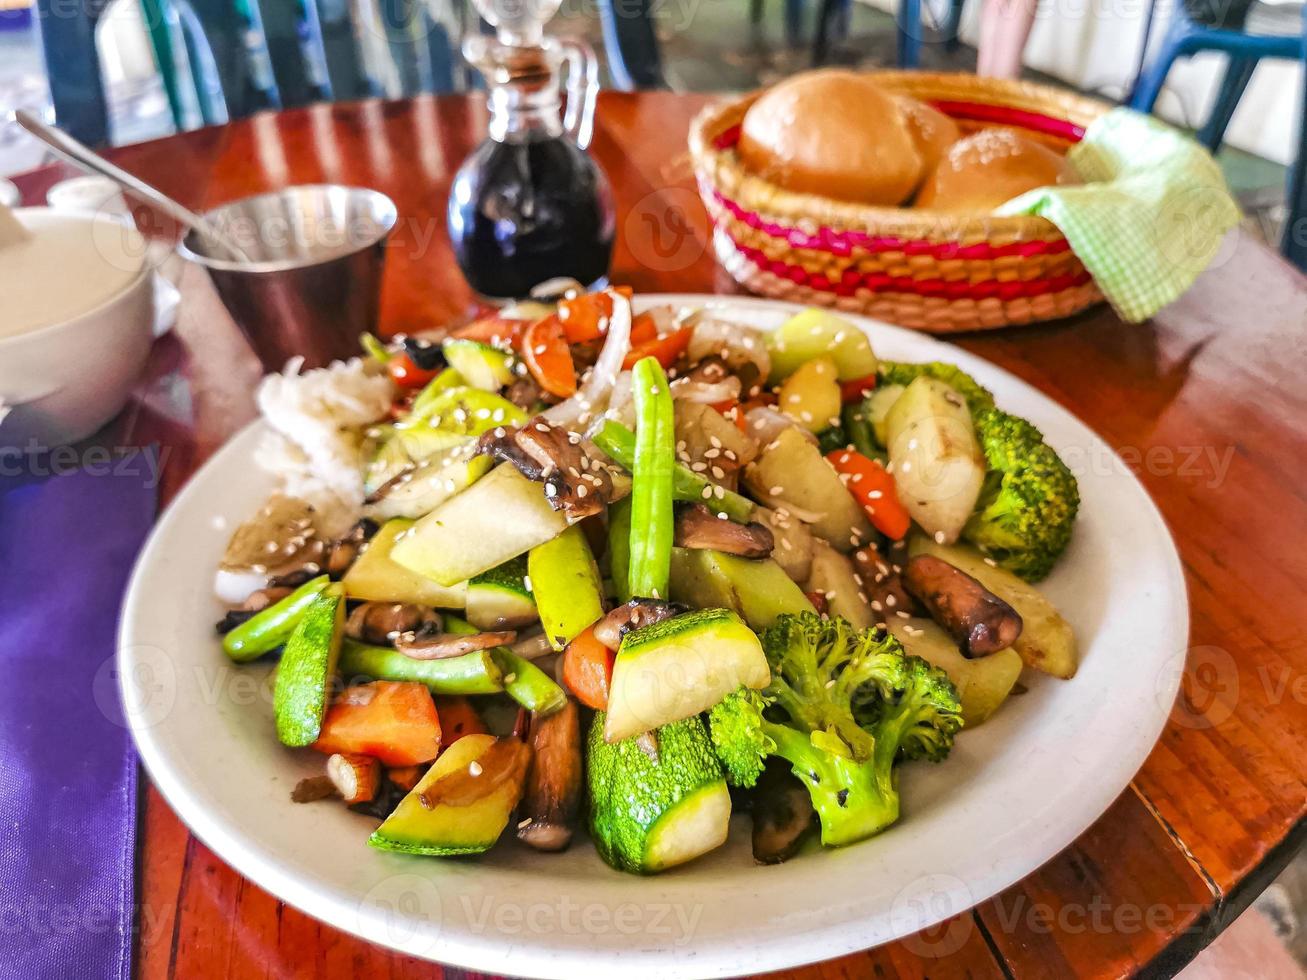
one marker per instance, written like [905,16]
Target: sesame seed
[707,493]
[718,472]
[526,581]
[940,537]
[903,615]
[523,824]
[474,768]
[777,491]
[509,678]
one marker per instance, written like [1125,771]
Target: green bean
[618,442]
[270,628]
[619,547]
[472,673]
[527,684]
[651,480]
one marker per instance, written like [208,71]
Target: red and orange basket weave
[929,270]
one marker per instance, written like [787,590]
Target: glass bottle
[529,204]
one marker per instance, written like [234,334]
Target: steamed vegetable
[936,461]
[394,722]
[678,667]
[307,668]
[757,591]
[874,488]
[470,673]
[648,815]
[566,584]
[1029,501]
[816,332]
[588,670]
[469,822]
[842,708]
[270,628]
[811,395]
[376,577]
[983,685]
[651,481]
[618,442]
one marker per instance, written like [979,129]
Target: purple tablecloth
[67,768]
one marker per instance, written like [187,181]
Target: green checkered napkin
[1150,216]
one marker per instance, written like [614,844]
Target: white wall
[1094,45]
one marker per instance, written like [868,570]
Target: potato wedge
[832,574]
[983,684]
[1047,642]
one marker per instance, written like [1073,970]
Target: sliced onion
[766,424]
[593,397]
[734,343]
[728,389]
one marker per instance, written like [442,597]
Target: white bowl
[65,378]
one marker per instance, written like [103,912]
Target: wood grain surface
[1206,404]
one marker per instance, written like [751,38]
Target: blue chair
[1244,48]
[634,59]
[76,85]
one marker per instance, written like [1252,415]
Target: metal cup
[314,283]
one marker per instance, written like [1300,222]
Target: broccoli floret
[899,373]
[735,727]
[921,717]
[827,678]
[1028,504]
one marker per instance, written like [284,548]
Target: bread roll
[989,167]
[833,133]
[932,131]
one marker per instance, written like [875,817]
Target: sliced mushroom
[551,800]
[280,538]
[882,580]
[506,759]
[343,551]
[632,615]
[980,621]
[782,814]
[575,482]
[699,527]
[442,646]
[384,622]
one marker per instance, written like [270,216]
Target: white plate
[1013,793]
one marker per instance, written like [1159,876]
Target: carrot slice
[588,670]
[644,328]
[874,488]
[497,331]
[457,718]
[585,317]
[665,349]
[545,353]
[393,721]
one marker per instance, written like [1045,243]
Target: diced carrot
[874,488]
[407,375]
[393,721]
[457,718]
[588,670]
[495,330]
[731,411]
[857,389]
[585,317]
[546,355]
[665,349]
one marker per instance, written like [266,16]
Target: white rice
[318,421]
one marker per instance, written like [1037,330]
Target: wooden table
[1207,404]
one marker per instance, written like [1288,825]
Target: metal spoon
[84,156]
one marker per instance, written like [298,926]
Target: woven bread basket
[929,270]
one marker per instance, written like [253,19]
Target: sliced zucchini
[567,587]
[483,366]
[446,830]
[500,599]
[676,668]
[647,816]
[375,577]
[307,668]
[426,486]
[758,591]
[497,518]
[878,406]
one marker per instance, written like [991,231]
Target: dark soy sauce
[524,211]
